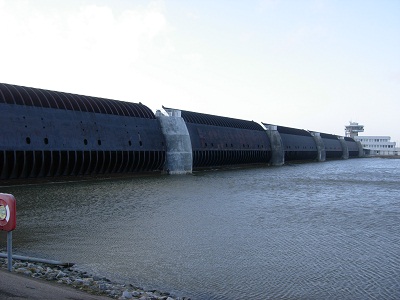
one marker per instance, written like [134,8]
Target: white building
[378,145]
[373,145]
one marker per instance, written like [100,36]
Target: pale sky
[309,64]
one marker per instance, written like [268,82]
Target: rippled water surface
[309,231]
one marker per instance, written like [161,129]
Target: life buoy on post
[8,212]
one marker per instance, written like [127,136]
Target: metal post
[9,250]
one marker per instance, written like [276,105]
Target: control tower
[353,129]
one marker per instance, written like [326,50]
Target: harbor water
[302,231]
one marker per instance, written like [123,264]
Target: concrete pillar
[345,149]
[278,151]
[179,158]
[360,149]
[320,146]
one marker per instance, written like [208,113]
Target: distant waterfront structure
[378,145]
[105,137]
[353,129]
[372,144]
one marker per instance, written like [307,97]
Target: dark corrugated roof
[329,136]
[20,95]
[289,130]
[199,118]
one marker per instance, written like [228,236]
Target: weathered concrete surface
[15,287]
[360,149]
[320,146]
[179,158]
[278,152]
[344,148]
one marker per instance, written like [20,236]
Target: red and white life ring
[8,212]
[5,220]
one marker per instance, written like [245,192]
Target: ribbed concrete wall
[52,134]
[298,144]
[220,141]
[333,148]
[352,147]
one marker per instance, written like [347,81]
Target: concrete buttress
[179,157]
[344,148]
[278,153]
[320,146]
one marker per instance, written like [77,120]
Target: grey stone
[39,268]
[127,295]
[73,276]
[51,276]
[21,270]
[61,274]
[78,281]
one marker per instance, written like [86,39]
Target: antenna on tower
[353,129]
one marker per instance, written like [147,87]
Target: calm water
[310,231]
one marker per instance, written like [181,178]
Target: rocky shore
[83,281]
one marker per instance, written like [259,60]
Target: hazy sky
[310,64]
